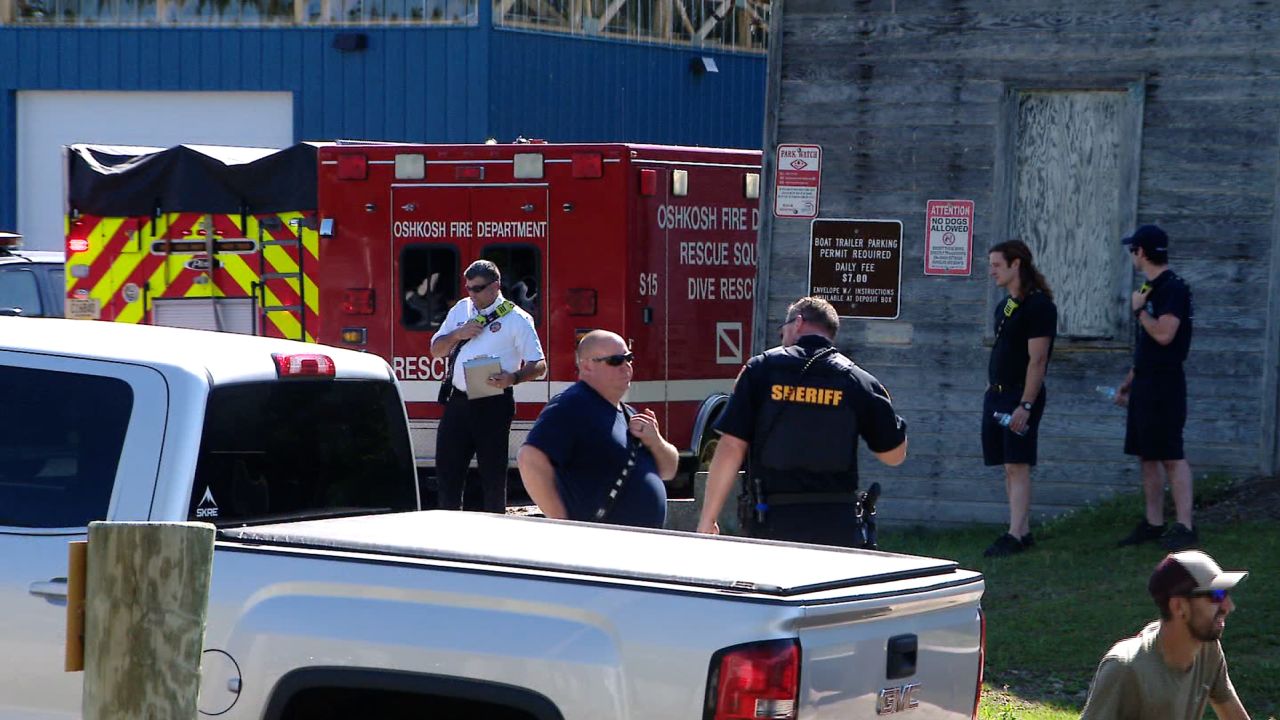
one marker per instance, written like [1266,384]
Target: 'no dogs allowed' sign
[948,237]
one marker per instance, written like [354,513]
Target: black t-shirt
[809,416]
[1170,295]
[1015,324]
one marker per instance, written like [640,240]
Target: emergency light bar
[10,240]
[303,365]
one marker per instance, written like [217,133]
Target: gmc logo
[897,699]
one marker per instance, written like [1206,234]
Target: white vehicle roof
[221,357]
[39,256]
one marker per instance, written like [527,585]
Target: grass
[1053,611]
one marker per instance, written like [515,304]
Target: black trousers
[480,429]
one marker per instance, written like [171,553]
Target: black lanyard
[1010,307]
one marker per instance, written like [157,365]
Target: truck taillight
[982,661]
[756,680]
[357,301]
[303,365]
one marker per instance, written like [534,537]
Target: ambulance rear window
[521,268]
[278,451]
[428,285]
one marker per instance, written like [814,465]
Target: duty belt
[997,387]
[812,498]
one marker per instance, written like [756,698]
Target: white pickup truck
[332,597]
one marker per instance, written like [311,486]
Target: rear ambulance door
[511,231]
[430,241]
[436,232]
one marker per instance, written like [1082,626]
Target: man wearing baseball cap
[1175,666]
[1155,390]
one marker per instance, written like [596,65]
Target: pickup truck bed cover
[752,566]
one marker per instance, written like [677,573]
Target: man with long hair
[1026,323]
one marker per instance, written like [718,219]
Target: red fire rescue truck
[655,243]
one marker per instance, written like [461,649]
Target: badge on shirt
[495,326]
[1009,306]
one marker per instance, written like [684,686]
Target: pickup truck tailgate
[895,650]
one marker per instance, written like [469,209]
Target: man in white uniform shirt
[482,324]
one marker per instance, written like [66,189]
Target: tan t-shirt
[1134,683]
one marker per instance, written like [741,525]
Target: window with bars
[733,24]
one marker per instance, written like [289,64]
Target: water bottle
[1107,392]
[1004,419]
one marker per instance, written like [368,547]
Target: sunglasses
[789,322]
[1217,597]
[615,360]
[479,288]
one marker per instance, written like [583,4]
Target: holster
[865,518]
[747,524]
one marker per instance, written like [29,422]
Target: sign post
[948,237]
[797,181]
[856,265]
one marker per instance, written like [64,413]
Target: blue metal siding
[436,84]
[577,89]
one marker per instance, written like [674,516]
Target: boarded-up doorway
[1067,185]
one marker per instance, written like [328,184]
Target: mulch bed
[1245,501]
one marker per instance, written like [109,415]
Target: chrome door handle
[55,589]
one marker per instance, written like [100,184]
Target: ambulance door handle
[647,315]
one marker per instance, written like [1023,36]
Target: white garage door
[47,120]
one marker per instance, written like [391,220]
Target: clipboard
[477,371]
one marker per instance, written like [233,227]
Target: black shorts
[1157,415]
[1000,445]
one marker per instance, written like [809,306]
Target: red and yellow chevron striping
[122,265]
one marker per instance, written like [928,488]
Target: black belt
[997,387]
[459,395]
[811,498]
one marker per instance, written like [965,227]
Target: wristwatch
[1026,406]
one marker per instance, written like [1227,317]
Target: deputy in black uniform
[1156,390]
[798,410]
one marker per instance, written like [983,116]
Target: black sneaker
[1179,537]
[1004,545]
[1143,532]
[1027,541]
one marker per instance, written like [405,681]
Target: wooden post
[77,558]
[146,600]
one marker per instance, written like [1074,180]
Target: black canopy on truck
[119,181]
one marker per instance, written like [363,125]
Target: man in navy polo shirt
[1155,390]
[592,457]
